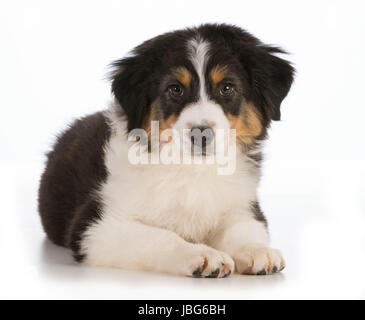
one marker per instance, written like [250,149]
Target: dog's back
[74,169]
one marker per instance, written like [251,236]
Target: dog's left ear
[271,78]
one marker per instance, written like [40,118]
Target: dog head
[203,79]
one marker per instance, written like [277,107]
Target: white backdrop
[53,59]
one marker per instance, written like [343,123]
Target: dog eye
[175,90]
[226,89]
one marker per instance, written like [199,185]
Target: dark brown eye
[226,89]
[175,90]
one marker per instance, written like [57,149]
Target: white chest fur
[188,199]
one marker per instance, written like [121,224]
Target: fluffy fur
[178,218]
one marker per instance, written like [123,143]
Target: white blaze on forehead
[205,111]
[199,54]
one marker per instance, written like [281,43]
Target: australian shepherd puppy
[166,178]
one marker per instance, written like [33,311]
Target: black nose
[201,136]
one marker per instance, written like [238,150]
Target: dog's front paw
[206,262]
[258,260]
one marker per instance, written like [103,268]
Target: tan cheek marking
[248,126]
[184,76]
[218,73]
[163,124]
[168,124]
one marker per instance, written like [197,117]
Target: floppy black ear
[130,87]
[271,79]
[269,76]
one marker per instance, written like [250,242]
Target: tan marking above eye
[183,76]
[248,126]
[218,73]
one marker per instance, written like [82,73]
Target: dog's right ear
[130,87]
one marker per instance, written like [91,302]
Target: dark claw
[214,274]
[197,273]
[282,268]
[274,269]
[261,273]
[227,274]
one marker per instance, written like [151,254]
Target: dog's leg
[121,243]
[245,238]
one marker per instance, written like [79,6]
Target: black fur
[75,169]
[269,77]
[257,212]
[261,76]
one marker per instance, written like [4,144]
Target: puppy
[182,217]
